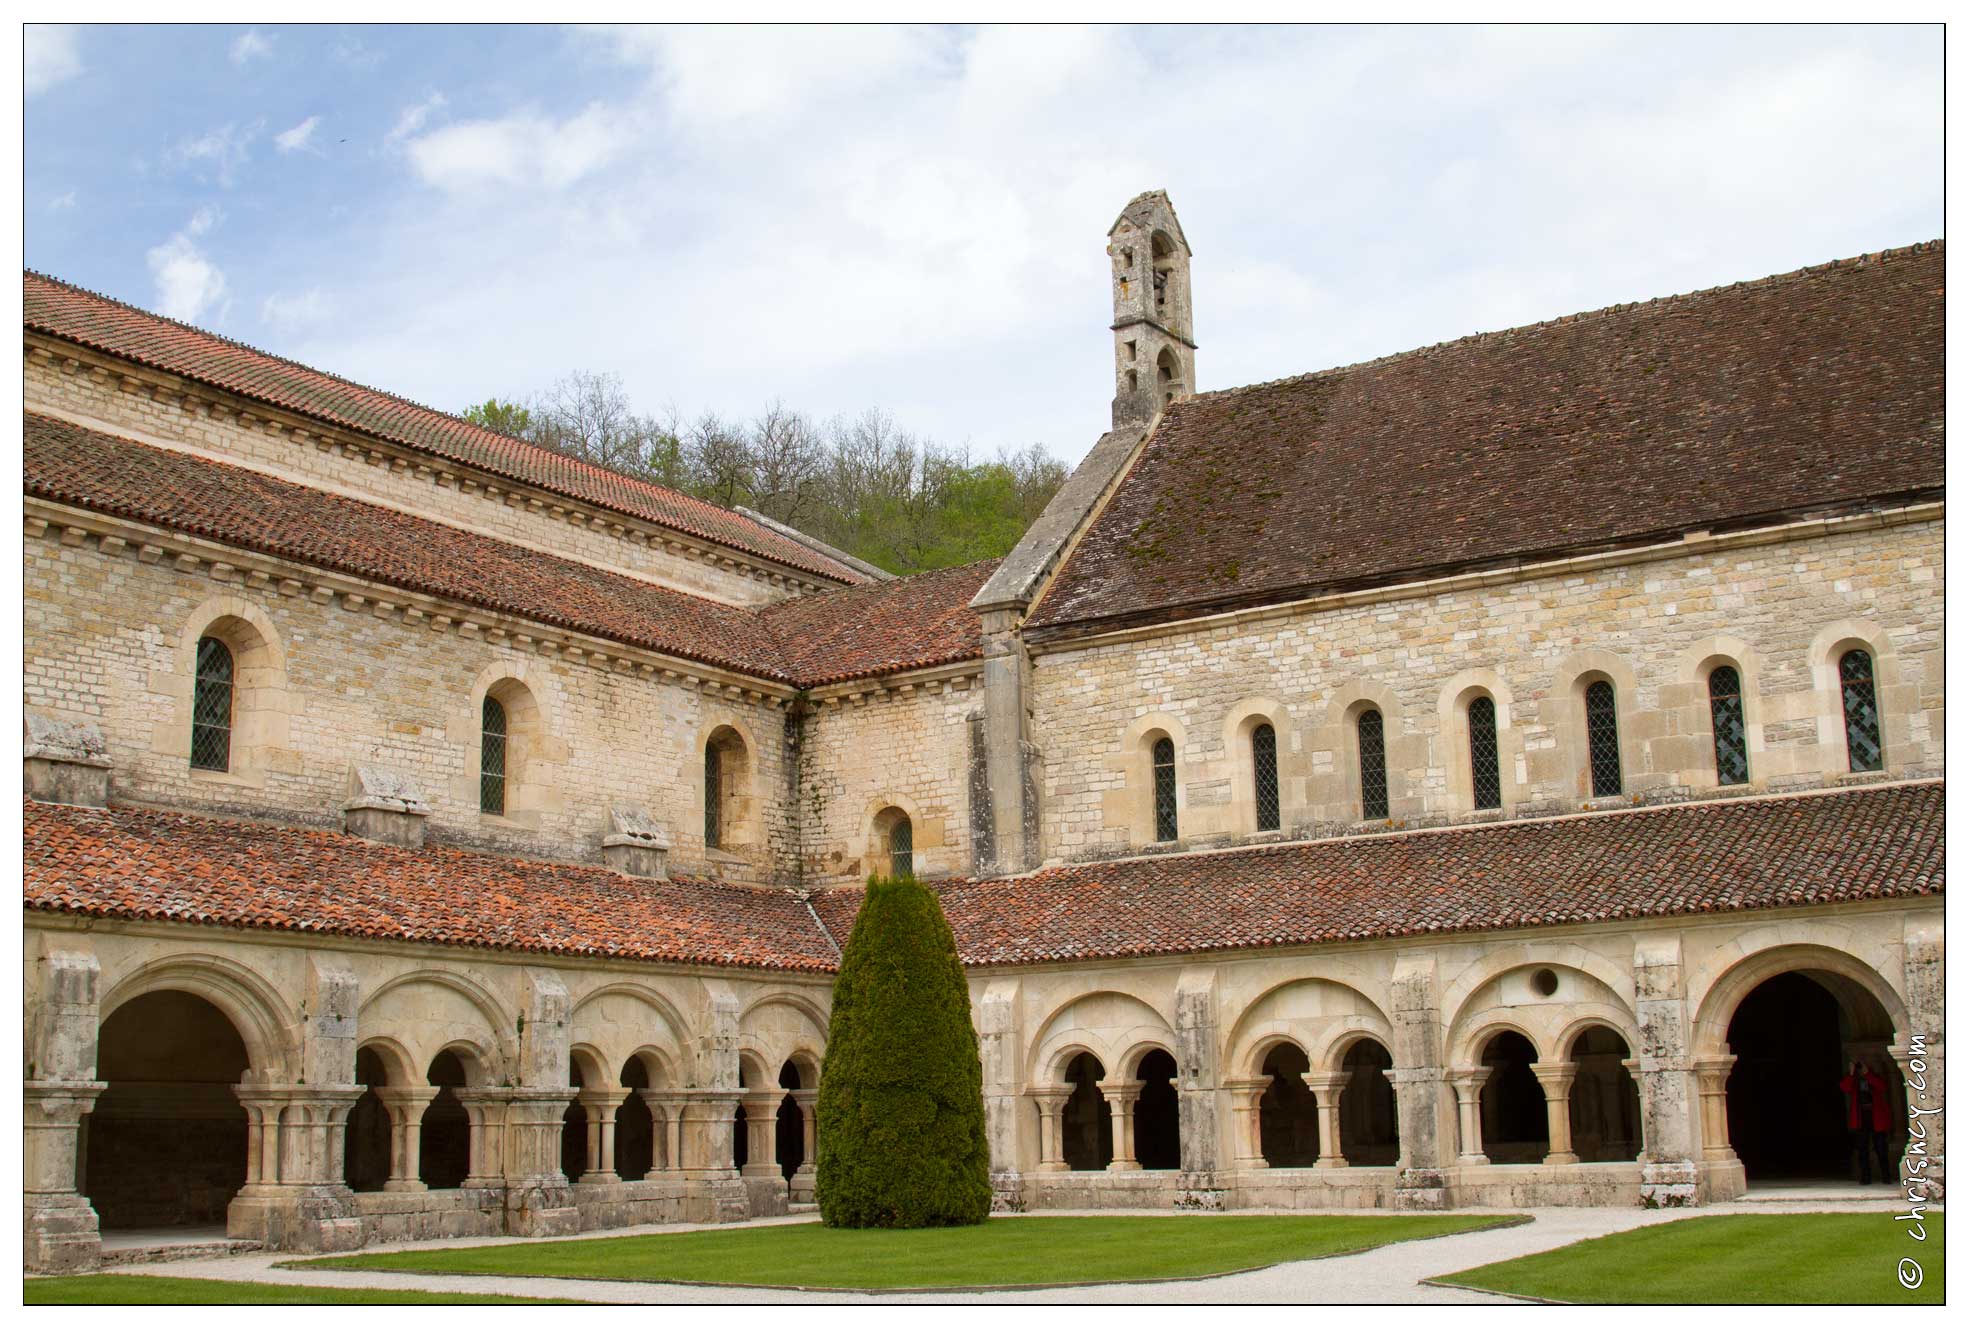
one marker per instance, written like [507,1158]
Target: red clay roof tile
[909,623]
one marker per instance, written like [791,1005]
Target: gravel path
[1389,1274]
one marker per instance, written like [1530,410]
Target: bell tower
[1154,348]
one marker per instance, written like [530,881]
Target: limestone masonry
[1508,772]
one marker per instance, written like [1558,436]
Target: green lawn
[145,1290]
[1004,1252]
[1732,1259]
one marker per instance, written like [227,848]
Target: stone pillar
[485,1109]
[1556,1078]
[1921,1057]
[761,1132]
[1246,1127]
[1712,1083]
[999,1047]
[59,1229]
[1051,1103]
[1669,1126]
[1327,1086]
[802,1187]
[1121,1096]
[1426,1119]
[406,1105]
[539,1201]
[1007,841]
[598,1107]
[1198,1128]
[294,1198]
[1468,1082]
[666,1109]
[718,1193]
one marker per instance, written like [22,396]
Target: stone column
[1556,1078]
[60,1233]
[1712,1083]
[1468,1082]
[1199,1134]
[406,1105]
[1667,1089]
[1424,1113]
[803,1176]
[718,1193]
[762,1132]
[666,1109]
[539,1201]
[1122,1096]
[485,1109]
[1246,1126]
[1051,1103]
[294,1198]
[598,1107]
[999,1050]
[1327,1086]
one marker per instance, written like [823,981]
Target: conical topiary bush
[900,1119]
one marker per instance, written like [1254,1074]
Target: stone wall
[1780,612]
[144,405]
[323,685]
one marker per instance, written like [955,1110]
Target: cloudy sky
[915,218]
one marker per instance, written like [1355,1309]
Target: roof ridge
[592,468]
[1604,311]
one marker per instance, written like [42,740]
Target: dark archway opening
[444,1145]
[1605,1105]
[789,1128]
[1516,1128]
[1288,1114]
[166,1143]
[366,1151]
[1086,1128]
[1793,1037]
[574,1130]
[1158,1130]
[1370,1134]
[635,1126]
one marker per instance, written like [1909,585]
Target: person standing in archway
[1867,1119]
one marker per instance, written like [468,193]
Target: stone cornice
[250,413]
[959,676]
[228,565]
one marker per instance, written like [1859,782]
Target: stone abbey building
[1507,772]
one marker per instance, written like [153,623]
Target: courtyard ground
[124,1290]
[1393,1274]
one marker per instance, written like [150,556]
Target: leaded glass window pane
[714,797]
[1264,775]
[902,849]
[492,758]
[1726,721]
[1603,739]
[211,707]
[1485,788]
[1863,749]
[1164,758]
[1374,767]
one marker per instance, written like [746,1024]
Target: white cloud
[250,45]
[62,202]
[187,282]
[520,150]
[289,313]
[222,151]
[48,56]
[299,137]
[357,56]
[413,117]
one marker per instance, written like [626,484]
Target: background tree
[900,1119]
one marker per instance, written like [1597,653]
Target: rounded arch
[1244,756]
[891,833]
[1453,723]
[654,998]
[1318,1010]
[259,1013]
[1568,1037]
[815,1013]
[1525,954]
[494,1055]
[658,1067]
[258,714]
[1346,798]
[806,1065]
[399,1066]
[509,677]
[530,708]
[1709,1033]
[1471,1048]
[724,773]
[596,1069]
[1103,1023]
[1130,1060]
[1828,648]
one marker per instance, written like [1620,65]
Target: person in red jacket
[1868,1119]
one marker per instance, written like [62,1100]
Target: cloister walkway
[1389,1274]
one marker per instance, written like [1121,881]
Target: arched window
[1486,790]
[1726,722]
[729,824]
[1374,766]
[1602,739]
[211,707]
[1264,775]
[902,849]
[1163,760]
[1862,707]
[492,757]
[714,796]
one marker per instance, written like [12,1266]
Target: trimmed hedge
[900,1119]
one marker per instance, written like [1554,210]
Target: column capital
[1124,1091]
[1555,1074]
[1467,1080]
[395,1097]
[1050,1098]
[1325,1082]
[603,1099]
[62,1099]
[1716,1067]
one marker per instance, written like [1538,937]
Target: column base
[765,1197]
[396,1187]
[801,1189]
[1201,1192]
[1669,1184]
[1331,1161]
[60,1234]
[541,1207]
[1124,1165]
[1421,1189]
[721,1197]
[1008,1193]
[1473,1160]
[296,1218]
[1561,1159]
[1052,1167]
[597,1178]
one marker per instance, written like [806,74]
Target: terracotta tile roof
[141,864]
[1691,858]
[88,319]
[908,623]
[245,509]
[1817,390]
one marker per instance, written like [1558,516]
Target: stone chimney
[386,807]
[636,846]
[67,762]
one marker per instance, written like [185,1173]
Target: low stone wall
[1313,1188]
[1523,1185]
[627,1203]
[1101,1190]
[391,1216]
